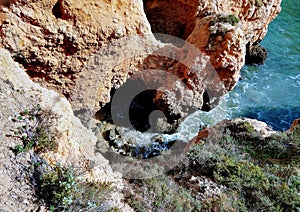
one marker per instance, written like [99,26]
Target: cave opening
[143,113]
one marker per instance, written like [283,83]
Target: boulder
[256,55]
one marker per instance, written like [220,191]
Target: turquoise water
[271,92]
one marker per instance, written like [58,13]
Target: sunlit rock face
[85,49]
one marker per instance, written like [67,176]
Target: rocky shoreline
[66,66]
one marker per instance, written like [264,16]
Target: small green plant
[34,131]
[231,19]
[259,3]
[62,190]
[57,186]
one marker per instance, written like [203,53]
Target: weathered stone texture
[56,41]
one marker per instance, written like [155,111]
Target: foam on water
[271,92]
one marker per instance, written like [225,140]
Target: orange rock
[296,123]
[54,41]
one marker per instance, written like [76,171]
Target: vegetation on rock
[62,189]
[59,188]
[263,173]
[34,131]
[259,3]
[160,194]
[231,19]
[236,170]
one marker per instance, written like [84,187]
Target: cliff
[75,143]
[58,42]
[67,58]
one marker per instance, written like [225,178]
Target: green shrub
[161,194]
[35,131]
[240,175]
[57,186]
[61,189]
[281,146]
[284,186]
[91,196]
[241,127]
[295,135]
[231,19]
[261,171]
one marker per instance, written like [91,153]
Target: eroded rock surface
[86,50]
[239,126]
[256,55]
[57,40]
[76,143]
[54,39]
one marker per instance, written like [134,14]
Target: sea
[271,92]
[268,92]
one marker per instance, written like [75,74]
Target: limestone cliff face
[79,49]
[56,41]
[76,143]
[210,26]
